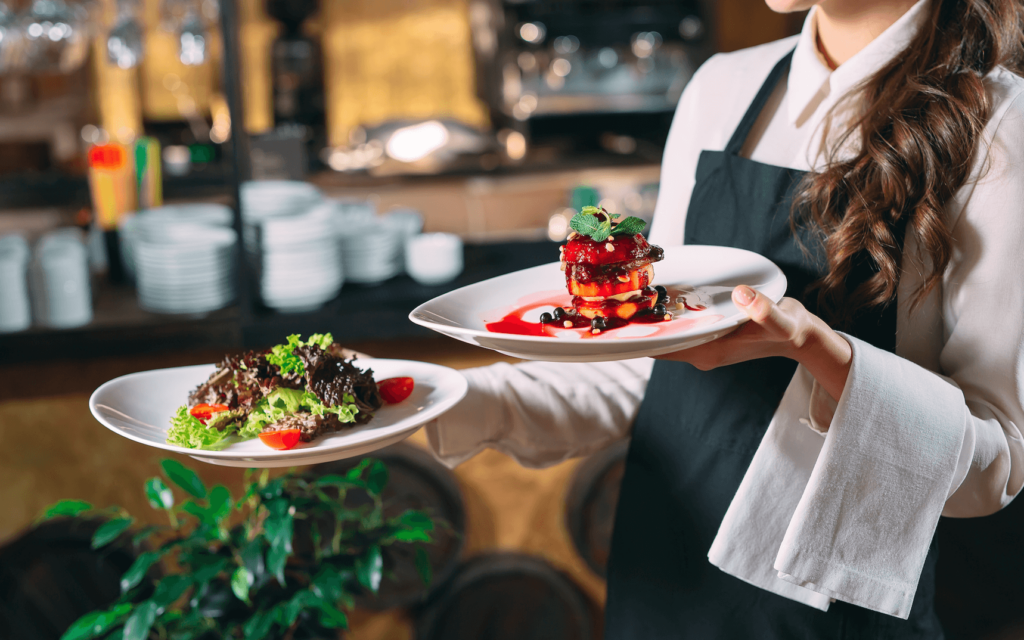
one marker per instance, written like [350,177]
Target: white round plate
[139,407]
[464,314]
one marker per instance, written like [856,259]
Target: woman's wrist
[826,355]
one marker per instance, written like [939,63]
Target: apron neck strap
[754,110]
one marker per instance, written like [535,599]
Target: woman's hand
[786,329]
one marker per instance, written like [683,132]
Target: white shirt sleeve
[541,413]
[980,380]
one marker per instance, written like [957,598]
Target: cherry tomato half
[204,411]
[282,440]
[394,390]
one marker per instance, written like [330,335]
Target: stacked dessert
[608,268]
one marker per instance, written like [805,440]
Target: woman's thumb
[756,305]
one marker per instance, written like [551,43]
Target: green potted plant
[283,561]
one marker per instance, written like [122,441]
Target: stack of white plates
[188,270]
[299,259]
[371,251]
[273,198]
[408,223]
[59,276]
[150,225]
[15,309]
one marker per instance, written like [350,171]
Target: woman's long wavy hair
[916,133]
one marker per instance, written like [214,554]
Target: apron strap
[754,110]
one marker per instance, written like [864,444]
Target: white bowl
[433,258]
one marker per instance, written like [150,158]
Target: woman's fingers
[775,320]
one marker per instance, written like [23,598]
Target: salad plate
[503,313]
[140,406]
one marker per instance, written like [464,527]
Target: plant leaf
[220,502]
[109,530]
[252,560]
[170,589]
[629,226]
[209,571]
[250,492]
[357,471]
[278,529]
[339,481]
[416,520]
[241,580]
[144,533]
[377,479]
[201,513]
[332,617]
[141,621]
[258,626]
[369,568]
[184,477]
[272,489]
[412,535]
[135,573]
[159,494]
[96,623]
[328,584]
[423,566]
[69,508]
[288,612]
[277,556]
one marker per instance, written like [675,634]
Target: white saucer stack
[59,279]
[188,269]
[15,308]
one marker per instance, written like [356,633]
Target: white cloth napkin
[848,516]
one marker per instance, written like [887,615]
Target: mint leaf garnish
[587,224]
[629,226]
[596,223]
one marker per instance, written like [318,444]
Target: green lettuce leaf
[283,355]
[281,402]
[187,431]
[275,405]
[346,412]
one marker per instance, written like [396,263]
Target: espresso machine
[599,72]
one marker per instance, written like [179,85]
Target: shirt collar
[809,78]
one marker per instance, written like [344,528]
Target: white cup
[15,314]
[62,272]
[433,258]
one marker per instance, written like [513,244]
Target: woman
[877,159]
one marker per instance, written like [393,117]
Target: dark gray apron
[696,434]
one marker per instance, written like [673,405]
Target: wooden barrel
[416,480]
[50,577]
[508,596]
[591,502]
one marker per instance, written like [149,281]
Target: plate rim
[434,411]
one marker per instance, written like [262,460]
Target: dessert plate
[139,407]
[502,313]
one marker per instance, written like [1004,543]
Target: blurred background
[180,179]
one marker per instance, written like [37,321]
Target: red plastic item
[395,390]
[282,440]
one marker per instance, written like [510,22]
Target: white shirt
[950,401]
